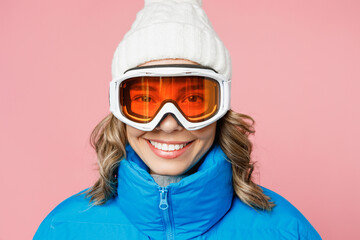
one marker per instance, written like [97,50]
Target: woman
[174,160]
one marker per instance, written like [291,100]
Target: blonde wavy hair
[232,133]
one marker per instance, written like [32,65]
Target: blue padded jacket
[200,206]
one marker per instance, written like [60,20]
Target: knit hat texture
[169,29]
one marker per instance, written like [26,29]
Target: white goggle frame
[166,71]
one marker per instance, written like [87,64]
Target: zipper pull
[163,198]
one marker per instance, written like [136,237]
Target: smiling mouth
[168,147]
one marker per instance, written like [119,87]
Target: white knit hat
[169,29]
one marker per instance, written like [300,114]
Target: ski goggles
[196,96]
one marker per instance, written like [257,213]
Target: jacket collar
[196,202]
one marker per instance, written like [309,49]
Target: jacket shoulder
[77,218]
[284,221]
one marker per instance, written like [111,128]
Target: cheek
[206,135]
[132,133]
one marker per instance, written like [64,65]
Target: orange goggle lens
[196,97]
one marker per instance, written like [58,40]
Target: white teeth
[167,147]
[164,147]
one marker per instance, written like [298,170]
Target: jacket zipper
[164,206]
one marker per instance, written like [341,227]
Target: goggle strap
[171,65]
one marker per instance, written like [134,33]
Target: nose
[169,124]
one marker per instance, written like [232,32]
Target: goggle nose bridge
[169,108]
[165,116]
[163,103]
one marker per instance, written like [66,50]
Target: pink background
[295,71]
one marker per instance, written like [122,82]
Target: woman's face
[191,145]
